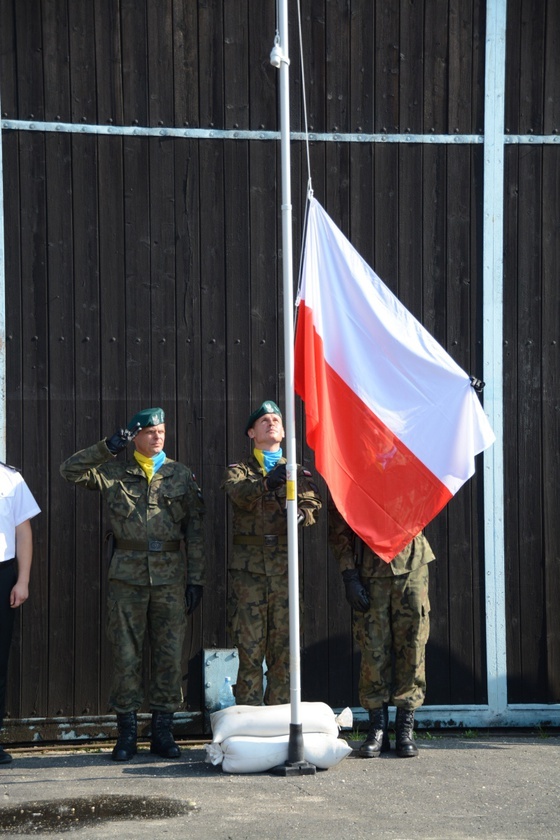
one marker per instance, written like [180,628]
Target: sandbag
[269,721]
[248,754]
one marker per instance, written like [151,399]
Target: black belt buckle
[155,545]
[270,539]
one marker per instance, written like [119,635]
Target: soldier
[258,568]
[154,503]
[17,508]
[391,623]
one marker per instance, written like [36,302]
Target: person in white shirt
[17,508]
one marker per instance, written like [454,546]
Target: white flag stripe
[403,375]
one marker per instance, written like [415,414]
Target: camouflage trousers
[259,624]
[392,636]
[134,612]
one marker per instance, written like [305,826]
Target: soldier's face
[150,441]
[267,432]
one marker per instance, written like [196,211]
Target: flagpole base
[298,768]
[296,765]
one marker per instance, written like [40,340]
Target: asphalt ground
[500,785]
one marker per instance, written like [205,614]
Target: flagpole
[279,59]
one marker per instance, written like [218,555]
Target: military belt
[148,545]
[266,539]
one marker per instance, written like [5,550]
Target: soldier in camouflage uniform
[258,568]
[391,623]
[154,504]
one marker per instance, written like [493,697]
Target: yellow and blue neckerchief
[267,460]
[150,465]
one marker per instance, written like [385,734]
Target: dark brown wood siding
[147,271]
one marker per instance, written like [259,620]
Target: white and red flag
[394,422]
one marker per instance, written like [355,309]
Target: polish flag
[394,422]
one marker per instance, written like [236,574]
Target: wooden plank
[411,67]
[550,418]
[409,226]
[85,421]
[159,41]
[458,344]
[30,78]
[113,409]
[511,430]
[436,81]
[137,272]
[35,384]
[185,58]
[513,69]
[211,78]
[529,449]
[56,63]
[8,61]
[314,38]
[361,27]
[213,377]
[236,67]
[387,52]
[134,37]
[551,81]
[189,397]
[531,81]
[14,348]
[460,100]
[60,259]
[108,62]
[433,316]
[262,77]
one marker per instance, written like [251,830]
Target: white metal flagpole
[279,59]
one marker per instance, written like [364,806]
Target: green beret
[268,407]
[147,417]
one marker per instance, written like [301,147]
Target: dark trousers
[8,578]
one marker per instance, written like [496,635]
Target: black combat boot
[377,739]
[162,741]
[125,748]
[404,725]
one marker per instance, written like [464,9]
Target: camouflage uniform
[258,574]
[146,579]
[392,634]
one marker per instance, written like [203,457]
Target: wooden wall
[147,271]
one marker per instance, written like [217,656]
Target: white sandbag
[248,754]
[268,721]
[324,751]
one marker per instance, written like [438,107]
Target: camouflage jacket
[169,509]
[260,523]
[351,552]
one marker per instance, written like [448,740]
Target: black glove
[356,593]
[120,440]
[193,595]
[276,477]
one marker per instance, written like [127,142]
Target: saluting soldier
[154,505]
[258,567]
[391,623]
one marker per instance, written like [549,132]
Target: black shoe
[404,726]
[5,758]
[162,742]
[127,726]
[377,738]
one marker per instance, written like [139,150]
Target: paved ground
[475,785]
